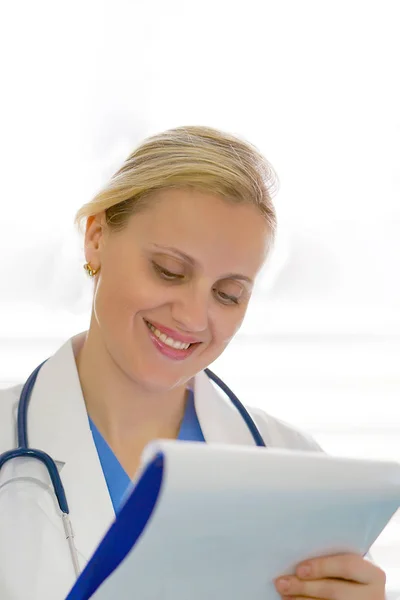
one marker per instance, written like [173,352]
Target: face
[181,272]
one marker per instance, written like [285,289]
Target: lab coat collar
[219,419]
[58,424]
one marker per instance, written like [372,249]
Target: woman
[173,244]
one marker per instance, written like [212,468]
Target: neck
[127,415]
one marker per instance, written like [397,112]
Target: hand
[339,577]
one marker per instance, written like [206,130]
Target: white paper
[230,519]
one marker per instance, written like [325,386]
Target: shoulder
[9,398]
[279,434]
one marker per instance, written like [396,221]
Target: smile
[168,341]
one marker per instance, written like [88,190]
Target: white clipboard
[222,522]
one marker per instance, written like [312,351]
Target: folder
[218,521]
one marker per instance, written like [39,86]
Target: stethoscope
[23,449]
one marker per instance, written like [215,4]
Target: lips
[169,351]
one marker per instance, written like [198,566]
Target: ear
[94,239]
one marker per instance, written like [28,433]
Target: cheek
[226,325]
[119,297]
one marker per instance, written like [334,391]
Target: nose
[190,308]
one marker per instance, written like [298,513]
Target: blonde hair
[200,158]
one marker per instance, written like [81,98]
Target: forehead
[210,229]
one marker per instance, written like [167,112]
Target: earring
[89,270]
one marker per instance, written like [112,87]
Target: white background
[315,84]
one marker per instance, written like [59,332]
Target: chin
[160,387]
[158,384]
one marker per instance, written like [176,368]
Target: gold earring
[89,270]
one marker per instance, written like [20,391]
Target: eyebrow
[194,262]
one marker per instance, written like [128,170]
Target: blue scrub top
[116,478]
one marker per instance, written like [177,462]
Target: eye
[226,298]
[165,274]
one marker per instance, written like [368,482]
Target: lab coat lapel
[58,424]
[220,421]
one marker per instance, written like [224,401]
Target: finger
[351,567]
[326,589]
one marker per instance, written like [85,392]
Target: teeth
[168,341]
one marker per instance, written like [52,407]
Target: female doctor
[173,245]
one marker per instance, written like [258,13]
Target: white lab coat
[34,559]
